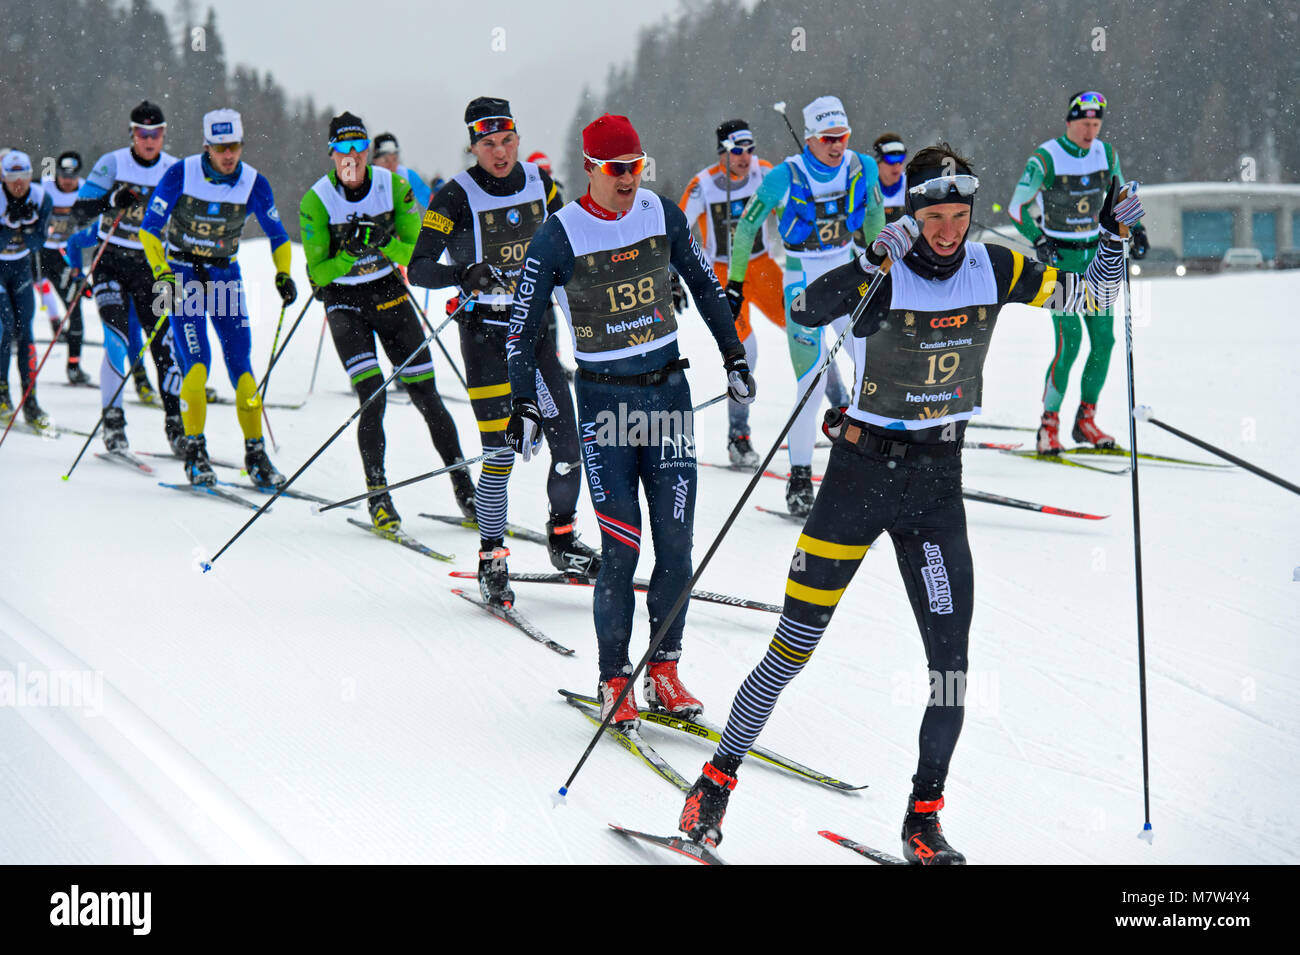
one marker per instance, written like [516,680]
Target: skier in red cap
[607,257]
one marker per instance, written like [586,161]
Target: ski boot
[799,493]
[6,404]
[174,429]
[568,554]
[923,841]
[1085,428]
[607,692]
[664,691]
[115,430]
[382,513]
[1049,433]
[706,803]
[75,375]
[493,575]
[462,485]
[741,452]
[259,467]
[144,391]
[34,414]
[197,466]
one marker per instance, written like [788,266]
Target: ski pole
[275,355]
[711,401]
[319,344]
[437,341]
[75,303]
[1143,413]
[162,320]
[1137,547]
[207,565]
[322,508]
[726,526]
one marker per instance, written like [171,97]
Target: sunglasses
[740,150]
[895,159]
[618,167]
[1089,101]
[942,186]
[149,132]
[351,146]
[225,147]
[491,124]
[832,140]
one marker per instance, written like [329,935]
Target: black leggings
[59,274]
[920,505]
[123,277]
[359,313]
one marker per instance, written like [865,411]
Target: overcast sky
[410,67]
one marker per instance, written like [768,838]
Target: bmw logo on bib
[513,217]
[1083,180]
[214,208]
[737,207]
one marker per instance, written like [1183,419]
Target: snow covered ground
[322,696]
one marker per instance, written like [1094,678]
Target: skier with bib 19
[606,257]
[896,462]
[1067,177]
[830,199]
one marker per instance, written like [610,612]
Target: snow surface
[322,696]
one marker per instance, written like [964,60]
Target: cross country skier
[122,181]
[24,211]
[483,219]
[1067,178]
[388,155]
[359,222]
[191,237]
[714,201]
[56,281]
[896,464]
[890,155]
[829,196]
[606,257]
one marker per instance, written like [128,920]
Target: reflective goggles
[942,186]
[832,139]
[491,124]
[738,148]
[618,167]
[351,146]
[149,132]
[1087,101]
[225,147]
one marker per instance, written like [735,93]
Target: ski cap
[542,160]
[733,132]
[823,114]
[386,144]
[1086,104]
[346,127]
[148,115]
[223,126]
[16,164]
[68,164]
[609,137]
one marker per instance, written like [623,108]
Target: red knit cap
[610,136]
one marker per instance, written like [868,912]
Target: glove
[735,294]
[741,386]
[524,431]
[453,303]
[481,277]
[1139,245]
[20,212]
[833,422]
[284,285]
[360,239]
[125,196]
[1045,251]
[895,241]
[1116,212]
[680,301]
[167,288]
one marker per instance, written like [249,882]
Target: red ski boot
[1049,433]
[664,690]
[706,803]
[626,716]
[1085,428]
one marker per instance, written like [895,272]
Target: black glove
[1045,250]
[735,293]
[125,196]
[741,386]
[481,277]
[680,301]
[284,285]
[357,242]
[1138,245]
[21,211]
[524,430]
[833,422]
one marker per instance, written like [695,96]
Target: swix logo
[949,321]
[627,256]
[681,490]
